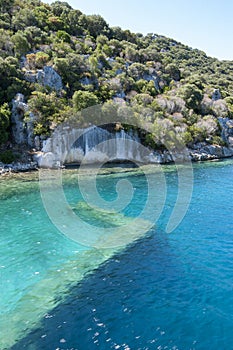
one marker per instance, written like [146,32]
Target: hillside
[62,61]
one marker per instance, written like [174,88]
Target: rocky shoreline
[205,153]
[211,152]
[17,167]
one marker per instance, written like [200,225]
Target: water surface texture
[160,292]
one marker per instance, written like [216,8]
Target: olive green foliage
[20,42]
[11,79]
[169,85]
[84,99]
[192,96]
[4,122]
[49,110]
[229,102]
[7,157]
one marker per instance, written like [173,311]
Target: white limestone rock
[49,77]
[216,95]
[19,129]
[45,77]
[22,129]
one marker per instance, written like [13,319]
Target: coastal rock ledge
[211,152]
[17,167]
[96,145]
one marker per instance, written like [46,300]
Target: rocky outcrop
[97,145]
[154,78]
[210,152]
[49,77]
[69,144]
[91,145]
[22,129]
[216,95]
[45,77]
[203,151]
[227,130]
[17,167]
[19,108]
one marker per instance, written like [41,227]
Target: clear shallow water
[163,292]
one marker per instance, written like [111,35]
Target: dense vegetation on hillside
[169,84]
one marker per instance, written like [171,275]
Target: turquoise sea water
[163,291]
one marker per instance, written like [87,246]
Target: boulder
[49,77]
[45,77]
[216,95]
[46,160]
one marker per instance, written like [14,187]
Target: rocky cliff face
[45,77]
[227,130]
[73,145]
[202,151]
[210,152]
[22,128]
[91,145]
[68,144]
[97,145]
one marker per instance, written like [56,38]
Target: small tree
[48,110]
[173,71]
[4,122]
[84,99]
[41,59]
[63,36]
[229,102]
[21,44]
[192,96]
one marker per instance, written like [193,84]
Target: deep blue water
[164,291]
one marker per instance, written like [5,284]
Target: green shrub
[63,36]
[7,157]
[217,140]
[84,99]
[4,122]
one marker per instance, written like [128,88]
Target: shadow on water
[111,307]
